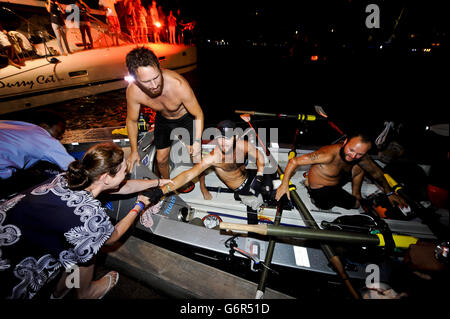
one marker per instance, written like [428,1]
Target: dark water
[355,91]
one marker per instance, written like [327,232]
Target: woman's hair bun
[77,176]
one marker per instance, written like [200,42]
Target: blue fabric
[45,230]
[24,144]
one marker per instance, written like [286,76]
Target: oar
[300,116]
[271,246]
[345,237]
[310,222]
[328,250]
[269,254]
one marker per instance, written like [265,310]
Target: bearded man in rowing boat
[170,95]
[228,160]
[330,165]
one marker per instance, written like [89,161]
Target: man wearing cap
[228,160]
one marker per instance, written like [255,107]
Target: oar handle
[299,117]
[259,229]
[244,112]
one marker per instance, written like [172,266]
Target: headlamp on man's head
[129,78]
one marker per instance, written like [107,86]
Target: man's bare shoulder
[176,80]
[366,162]
[333,148]
[132,91]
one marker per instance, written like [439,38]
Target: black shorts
[246,187]
[329,196]
[164,128]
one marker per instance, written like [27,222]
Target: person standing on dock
[153,10]
[85,24]
[141,21]
[331,166]
[59,26]
[172,22]
[171,96]
[112,18]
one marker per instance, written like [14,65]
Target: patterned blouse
[44,230]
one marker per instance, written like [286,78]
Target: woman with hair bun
[59,226]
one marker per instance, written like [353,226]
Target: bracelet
[140,204]
[158,183]
[134,210]
[390,193]
[168,188]
[260,174]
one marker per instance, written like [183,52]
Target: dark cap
[226,128]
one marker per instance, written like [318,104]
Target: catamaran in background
[49,78]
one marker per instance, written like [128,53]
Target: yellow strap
[392,183]
[307,117]
[390,180]
[401,241]
[381,239]
[292,154]
[292,187]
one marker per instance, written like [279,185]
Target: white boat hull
[82,73]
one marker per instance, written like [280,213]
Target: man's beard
[152,93]
[342,154]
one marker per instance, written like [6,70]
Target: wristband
[390,193]
[140,204]
[134,210]
[158,183]
[260,174]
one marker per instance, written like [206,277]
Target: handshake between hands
[153,195]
